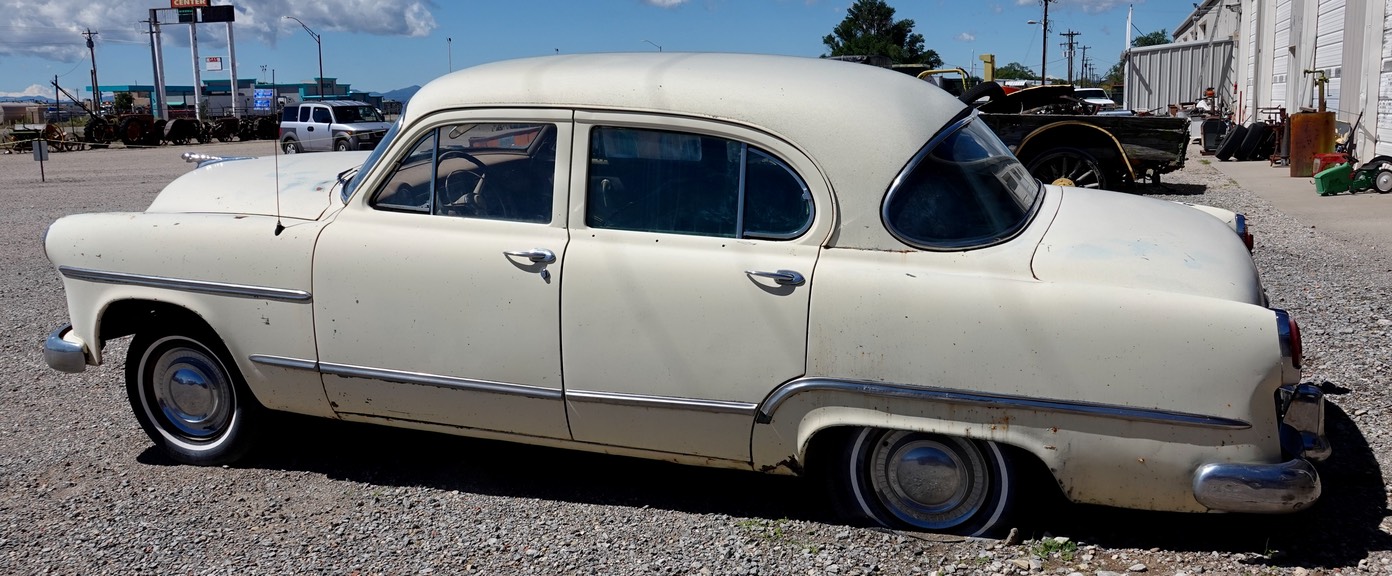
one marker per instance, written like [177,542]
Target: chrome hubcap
[192,393]
[929,481]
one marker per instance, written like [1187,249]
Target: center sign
[188,3]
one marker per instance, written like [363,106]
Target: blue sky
[381,45]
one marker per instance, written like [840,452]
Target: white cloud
[965,37]
[1087,6]
[665,3]
[35,90]
[50,28]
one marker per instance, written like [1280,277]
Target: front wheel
[189,397]
[922,481]
[341,146]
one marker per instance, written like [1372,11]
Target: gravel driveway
[83,492]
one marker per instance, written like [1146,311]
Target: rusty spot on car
[1048,447]
[790,463]
[1141,460]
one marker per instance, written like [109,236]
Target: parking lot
[83,491]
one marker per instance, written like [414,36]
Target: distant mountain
[401,94]
[25,99]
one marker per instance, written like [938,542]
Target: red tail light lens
[1289,333]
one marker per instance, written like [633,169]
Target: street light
[1044,46]
[321,53]
[659,48]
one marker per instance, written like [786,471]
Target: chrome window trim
[668,402]
[971,244]
[1006,401]
[185,285]
[806,196]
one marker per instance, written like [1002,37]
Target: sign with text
[188,3]
[214,63]
[261,99]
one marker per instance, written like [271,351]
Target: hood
[1101,237]
[308,185]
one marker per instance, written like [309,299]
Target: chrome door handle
[538,255]
[782,277]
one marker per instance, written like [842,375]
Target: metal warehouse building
[1267,54]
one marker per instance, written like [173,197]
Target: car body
[679,256]
[326,125]
[1097,97]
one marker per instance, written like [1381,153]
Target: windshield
[963,190]
[371,160]
[355,114]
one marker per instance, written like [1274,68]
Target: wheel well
[1089,138]
[126,317]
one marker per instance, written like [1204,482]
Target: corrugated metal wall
[1158,76]
[1384,103]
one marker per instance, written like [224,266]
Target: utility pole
[96,90]
[1044,45]
[1087,77]
[1068,51]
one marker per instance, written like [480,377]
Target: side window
[486,171]
[304,113]
[290,114]
[679,183]
[322,115]
[409,188]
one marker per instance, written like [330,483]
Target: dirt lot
[82,491]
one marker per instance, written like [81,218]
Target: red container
[1327,160]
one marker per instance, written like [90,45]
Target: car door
[437,288]
[319,135]
[687,280]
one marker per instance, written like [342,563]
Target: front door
[437,289]
[687,281]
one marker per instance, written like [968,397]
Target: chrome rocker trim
[183,285]
[1257,488]
[670,402]
[65,355]
[962,397]
[405,377]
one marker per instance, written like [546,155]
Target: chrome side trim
[183,285]
[668,402]
[450,382]
[963,397]
[283,362]
[1257,488]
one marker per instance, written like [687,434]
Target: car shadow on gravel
[398,457]
[1167,189]
[1341,529]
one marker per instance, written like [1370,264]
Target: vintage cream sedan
[779,264]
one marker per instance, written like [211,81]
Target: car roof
[861,124]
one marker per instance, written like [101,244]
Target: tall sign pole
[197,73]
[232,55]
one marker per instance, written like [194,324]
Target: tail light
[1244,233]
[1289,333]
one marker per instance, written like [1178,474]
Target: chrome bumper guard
[1274,488]
[63,352]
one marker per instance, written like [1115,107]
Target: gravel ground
[83,492]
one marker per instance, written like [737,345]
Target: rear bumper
[1274,488]
[64,351]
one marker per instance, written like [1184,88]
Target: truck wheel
[902,479]
[1231,142]
[1069,167]
[290,146]
[341,146]
[1252,142]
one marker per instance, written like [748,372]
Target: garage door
[1329,50]
[1384,108]
[1280,65]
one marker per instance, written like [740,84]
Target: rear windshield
[963,190]
[355,114]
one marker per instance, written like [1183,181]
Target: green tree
[1155,38]
[1015,71]
[123,102]
[871,30]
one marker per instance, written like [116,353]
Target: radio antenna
[279,226]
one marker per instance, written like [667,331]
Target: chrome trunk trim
[1004,401]
[184,285]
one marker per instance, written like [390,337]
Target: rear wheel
[189,397]
[1383,181]
[290,146]
[1068,167]
[922,481]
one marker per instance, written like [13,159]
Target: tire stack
[1255,141]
